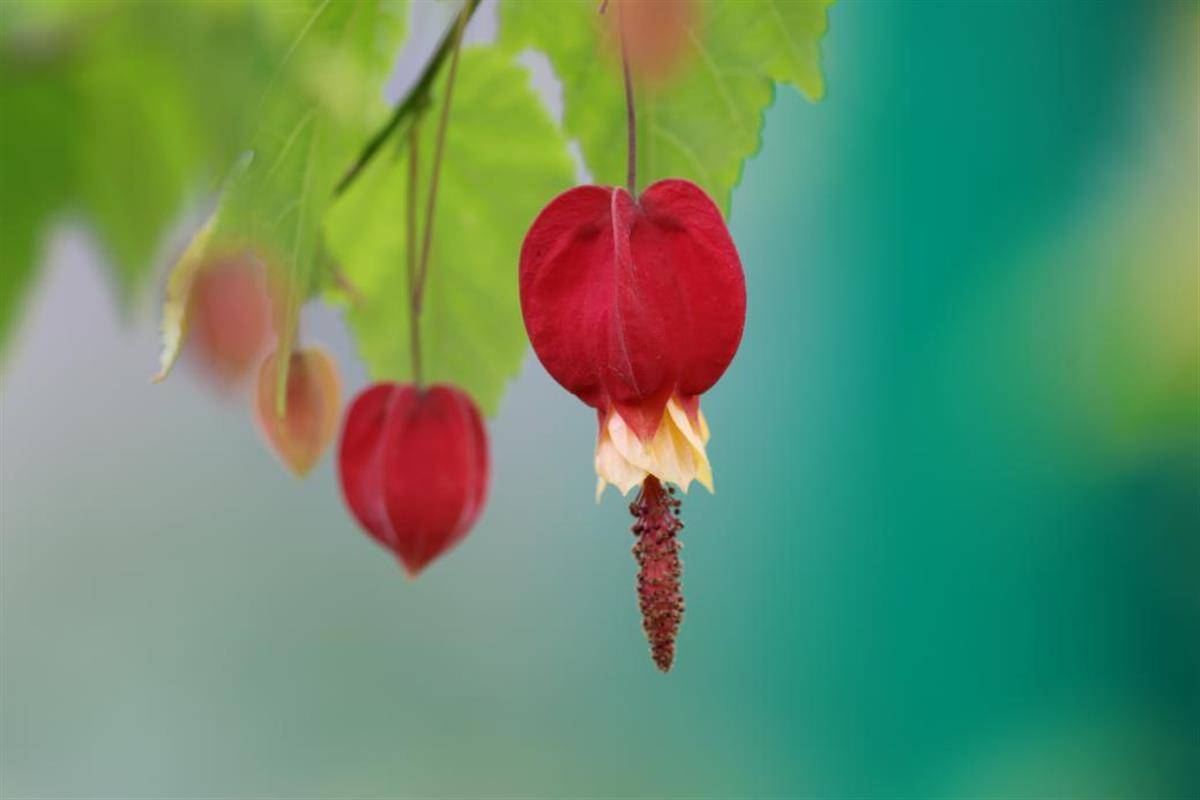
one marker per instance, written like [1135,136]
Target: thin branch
[415,97]
[630,114]
[439,147]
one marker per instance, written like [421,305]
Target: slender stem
[439,147]
[630,114]
[410,236]
[410,103]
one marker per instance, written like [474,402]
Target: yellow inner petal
[675,455]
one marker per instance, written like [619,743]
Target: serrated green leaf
[504,159]
[324,102]
[702,124]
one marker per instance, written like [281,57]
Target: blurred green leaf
[504,159]
[125,110]
[35,175]
[707,119]
[319,109]
[142,148]
[128,109]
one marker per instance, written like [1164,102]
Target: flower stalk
[412,102]
[630,114]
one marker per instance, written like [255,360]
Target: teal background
[952,553]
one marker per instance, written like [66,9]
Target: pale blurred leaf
[174,325]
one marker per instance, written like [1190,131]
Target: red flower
[230,316]
[314,396]
[413,464]
[636,307]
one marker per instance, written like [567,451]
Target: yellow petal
[675,455]
[614,467]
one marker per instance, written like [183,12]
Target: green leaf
[703,123]
[504,159]
[35,173]
[325,101]
[126,109]
[138,143]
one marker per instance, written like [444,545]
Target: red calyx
[630,302]
[414,469]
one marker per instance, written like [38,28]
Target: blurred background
[953,550]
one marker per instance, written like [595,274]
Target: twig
[411,101]
[439,146]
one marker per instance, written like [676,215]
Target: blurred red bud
[656,34]
[230,319]
[314,394]
[414,468]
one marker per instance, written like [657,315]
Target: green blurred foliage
[35,175]
[121,112]
[322,104]
[131,111]
[705,119]
[504,157]
[1113,364]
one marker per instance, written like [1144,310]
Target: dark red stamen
[657,552]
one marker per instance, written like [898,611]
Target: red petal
[686,225]
[627,303]
[435,470]
[360,456]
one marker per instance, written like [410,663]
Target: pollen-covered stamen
[657,552]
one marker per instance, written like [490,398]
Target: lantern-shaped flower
[414,468]
[636,306]
[314,395]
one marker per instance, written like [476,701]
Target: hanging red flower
[413,464]
[636,306]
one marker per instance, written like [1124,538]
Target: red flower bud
[414,468]
[629,303]
[657,35]
[314,396]
[230,318]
